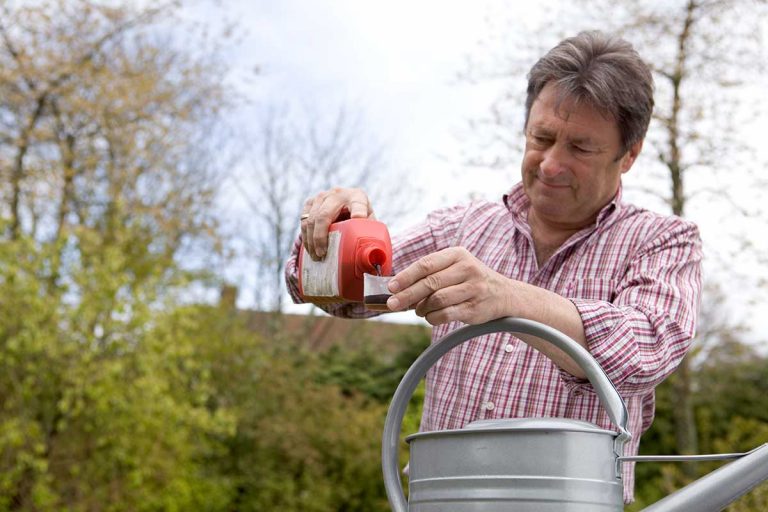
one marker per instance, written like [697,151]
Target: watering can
[538,464]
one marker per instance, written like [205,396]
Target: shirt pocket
[592,288]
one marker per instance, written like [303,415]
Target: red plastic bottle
[355,247]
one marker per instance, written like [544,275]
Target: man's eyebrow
[586,140]
[544,131]
[539,130]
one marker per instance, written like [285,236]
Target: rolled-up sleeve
[641,335]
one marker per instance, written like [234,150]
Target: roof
[323,331]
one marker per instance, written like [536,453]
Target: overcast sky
[394,62]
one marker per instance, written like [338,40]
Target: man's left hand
[451,285]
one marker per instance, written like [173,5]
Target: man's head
[602,71]
[589,105]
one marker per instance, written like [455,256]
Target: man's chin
[543,193]
[549,208]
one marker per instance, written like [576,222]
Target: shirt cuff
[611,340]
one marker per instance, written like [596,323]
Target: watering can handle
[609,397]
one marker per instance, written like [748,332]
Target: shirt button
[488,406]
[508,347]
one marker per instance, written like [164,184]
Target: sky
[396,63]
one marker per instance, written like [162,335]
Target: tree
[105,125]
[297,443]
[85,426]
[107,187]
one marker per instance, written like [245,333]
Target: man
[562,249]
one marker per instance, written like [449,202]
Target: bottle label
[321,278]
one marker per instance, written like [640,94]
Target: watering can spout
[713,492]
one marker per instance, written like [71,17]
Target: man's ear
[631,155]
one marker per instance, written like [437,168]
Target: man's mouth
[553,184]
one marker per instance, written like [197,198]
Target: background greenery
[199,412]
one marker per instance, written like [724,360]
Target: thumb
[360,210]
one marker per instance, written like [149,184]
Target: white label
[321,278]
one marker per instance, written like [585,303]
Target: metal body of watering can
[536,464]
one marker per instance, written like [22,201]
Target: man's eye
[539,140]
[582,150]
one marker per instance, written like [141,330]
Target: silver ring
[304,216]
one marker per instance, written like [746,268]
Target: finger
[304,224]
[353,201]
[359,205]
[446,315]
[317,228]
[456,306]
[425,266]
[424,288]
[324,211]
[443,299]
[310,231]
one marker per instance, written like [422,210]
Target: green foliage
[731,400]
[190,410]
[98,121]
[88,425]
[196,413]
[368,373]
[366,370]
[298,444]
[304,446]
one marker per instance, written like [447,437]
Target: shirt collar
[517,203]
[614,205]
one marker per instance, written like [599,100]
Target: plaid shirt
[634,277]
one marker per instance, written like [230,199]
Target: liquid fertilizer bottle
[356,247]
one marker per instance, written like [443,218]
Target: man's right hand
[322,210]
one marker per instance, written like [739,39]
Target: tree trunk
[686,434]
[17,174]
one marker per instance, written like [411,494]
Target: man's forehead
[553,113]
[564,105]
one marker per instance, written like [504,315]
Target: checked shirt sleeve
[641,336]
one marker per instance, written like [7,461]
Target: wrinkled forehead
[564,102]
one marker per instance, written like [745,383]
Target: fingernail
[321,253]
[393,286]
[393,304]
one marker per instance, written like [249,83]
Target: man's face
[571,166]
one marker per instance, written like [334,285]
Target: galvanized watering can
[537,464]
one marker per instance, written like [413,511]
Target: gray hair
[603,71]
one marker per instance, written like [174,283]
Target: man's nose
[554,162]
